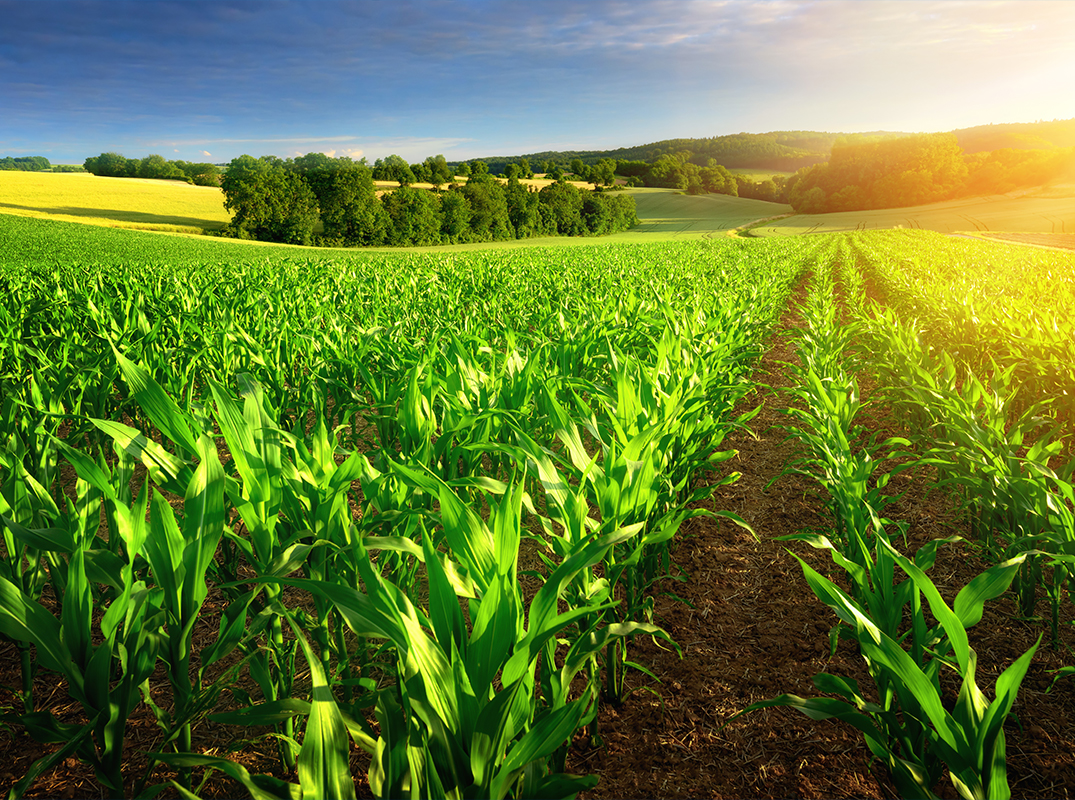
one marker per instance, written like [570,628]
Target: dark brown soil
[754,630]
[751,630]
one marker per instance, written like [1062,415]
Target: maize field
[463,524]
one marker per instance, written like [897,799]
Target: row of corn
[977,440]
[415,512]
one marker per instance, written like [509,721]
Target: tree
[269,203]
[603,172]
[578,169]
[393,168]
[489,221]
[439,171]
[350,209]
[200,174]
[156,166]
[479,170]
[522,209]
[455,214]
[564,203]
[414,217]
[421,173]
[25,163]
[111,165]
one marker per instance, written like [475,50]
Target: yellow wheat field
[113,202]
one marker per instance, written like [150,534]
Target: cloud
[418,77]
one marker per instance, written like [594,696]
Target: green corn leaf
[268,713]
[992,583]
[56,540]
[323,759]
[159,407]
[260,787]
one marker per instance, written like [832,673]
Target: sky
[208,80]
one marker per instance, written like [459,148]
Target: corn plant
[910,729]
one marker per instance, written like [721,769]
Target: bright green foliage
[373,434]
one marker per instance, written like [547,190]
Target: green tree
[564,203]
[489,220]
[522,209]
[479,170]
[414,217]
[111,165]
[421,173]
[268,202]
[393,168]
[439,171]
[455,216]
[158,167]
[200,174]
[603,173]
[351,212]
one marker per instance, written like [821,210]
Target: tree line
[25,163]
[273,199]
[915,170]
[783,151]
[116,165]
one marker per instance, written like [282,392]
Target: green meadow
[1050,210]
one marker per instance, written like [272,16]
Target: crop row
[350,472]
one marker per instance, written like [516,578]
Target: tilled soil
[750,629]
[754,630]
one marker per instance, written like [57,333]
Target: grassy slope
[1048,210]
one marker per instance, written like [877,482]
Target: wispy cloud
[479,77]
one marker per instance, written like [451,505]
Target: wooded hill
[788,151]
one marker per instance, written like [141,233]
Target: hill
[1017,136]
[781,151]
[788,151]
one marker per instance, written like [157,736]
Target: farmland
[1049,210]
[114,202]
[506,521]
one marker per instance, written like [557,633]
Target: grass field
[1050,211]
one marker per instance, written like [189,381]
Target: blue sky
[212,79]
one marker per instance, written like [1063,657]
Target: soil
[750,629]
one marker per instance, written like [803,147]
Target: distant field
[1048,211]
[113,202]
[666,214]
[175,207]
[759,175]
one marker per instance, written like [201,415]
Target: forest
[915,170]
[116,165]
[25,163]
[283,200]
